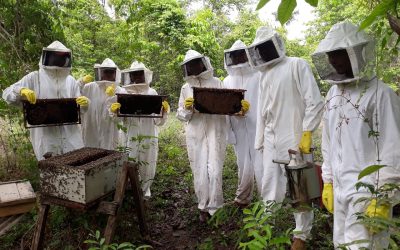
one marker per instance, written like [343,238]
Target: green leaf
[260,212]
[250,225]
[260,239]
[247,211]
[285,10]
[97,234]
[280,240]
[261,4]
[369,170]
[102,241]
[313,3]
[379,10]
[254,210]
[90,242]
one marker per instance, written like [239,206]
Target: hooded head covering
[55,48]
[359,47]
[109,64]
[230,67]
[192,55]
[137,66]
[137,87]
[269,40]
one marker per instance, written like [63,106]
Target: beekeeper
[205,135]
[242,128]
[141,137]
[98,128]
[52,80]
[356,104]
[289,110]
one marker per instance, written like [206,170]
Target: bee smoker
[304,183]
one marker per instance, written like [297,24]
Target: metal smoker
[304,183]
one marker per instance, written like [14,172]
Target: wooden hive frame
[135,105]
[219,101]
[51,112]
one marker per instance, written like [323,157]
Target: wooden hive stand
[129,171]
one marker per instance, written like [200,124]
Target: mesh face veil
[136,74]
[266,49]
[359,48]
[235,57]
[59,59]
[194,67]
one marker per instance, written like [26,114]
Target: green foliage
[259,224]
[369,170]
[380,10]
[285,10]
[98,243]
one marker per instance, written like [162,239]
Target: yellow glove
[166,106]
[82,101]
[305,142]
[327,197]
[115,107]
[110,90]
[245,106]
[87,79]
[381,211]
[189,102]
[28,94]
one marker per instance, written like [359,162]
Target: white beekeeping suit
[355,106]
[205,138]
[289,104]
[99,130]
[242,128]
[50,82]
[141,137]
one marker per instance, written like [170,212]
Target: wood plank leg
[118,198]
[138,197]
[37,242]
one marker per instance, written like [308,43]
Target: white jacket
[242,130]
[99,130]
[49,82]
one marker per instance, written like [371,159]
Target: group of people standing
[281,109]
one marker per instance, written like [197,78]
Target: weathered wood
[50,200]
[138,197]
[16,209]
[118,198]
[109,208]
[5,226]
[37,242]
[16,197]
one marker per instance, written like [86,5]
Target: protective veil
[242,129]
[289,103]
[141,137]
[99,130]
[205,139]
[346,145]
[50,82]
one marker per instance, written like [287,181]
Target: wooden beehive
[16,197]
[81,176]
[133,105]
[218,101]
[51,112]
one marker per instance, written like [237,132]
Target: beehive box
[218,101]
[51,112]
[81,176]
[16,197]
[133,105]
